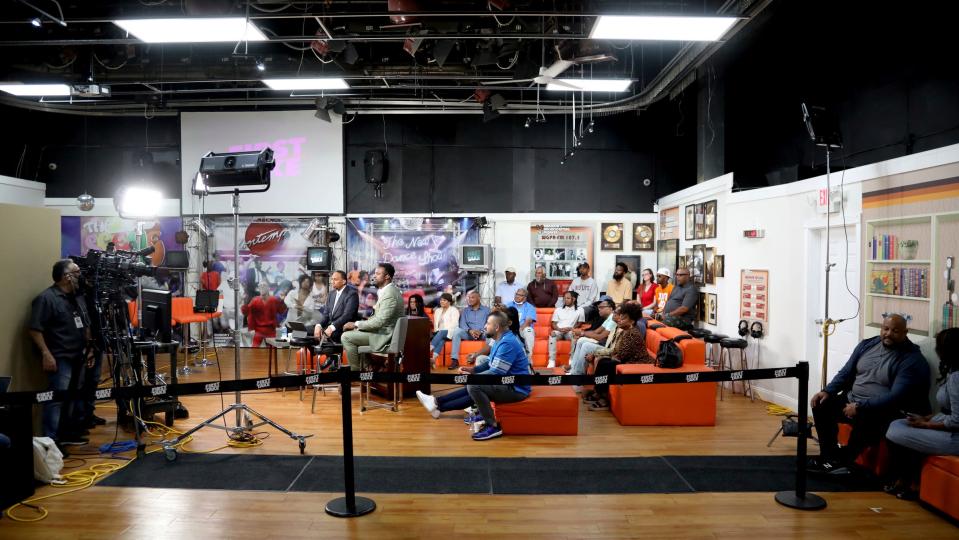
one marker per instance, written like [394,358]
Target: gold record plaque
[612,237]
[643,236]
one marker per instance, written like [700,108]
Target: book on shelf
[950,315]
[912,282]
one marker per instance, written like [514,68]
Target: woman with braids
[913,438]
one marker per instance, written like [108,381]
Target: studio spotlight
[589,127]
[527,123]
[136,202]
[36,22]
[260,65]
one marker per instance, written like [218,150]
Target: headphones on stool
[743,327]
[756,330]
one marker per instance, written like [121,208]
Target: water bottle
[282,334]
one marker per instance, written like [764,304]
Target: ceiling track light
[36,22]
[260,65]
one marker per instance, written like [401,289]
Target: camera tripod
[244,423]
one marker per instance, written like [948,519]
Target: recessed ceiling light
[590,85]
[192,30]
[306,84]
[661,28]
[36,89]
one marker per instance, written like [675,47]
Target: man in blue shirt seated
[472,321]
[506,358]
[527,318]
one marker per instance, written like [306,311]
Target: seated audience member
[584,286]
[507,289]
[885,374]
[472,320]
[341,307]
[415,306]
[619,288]
[587,341]
[917,436]
[629,348]
[299,301]
[261,314]
[683,303]
[527,318]
[663,290]
[542,291]
[646,292]
[446,318]
[506,358]
[564,320]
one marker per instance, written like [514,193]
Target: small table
[272,344]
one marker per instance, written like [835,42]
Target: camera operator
[60,327]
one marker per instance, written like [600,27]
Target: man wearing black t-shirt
[60,328]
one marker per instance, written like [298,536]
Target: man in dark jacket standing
[885,376]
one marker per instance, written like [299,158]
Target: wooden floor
[743,428]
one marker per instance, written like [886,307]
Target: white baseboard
[777,398]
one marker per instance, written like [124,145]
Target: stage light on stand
[137,202]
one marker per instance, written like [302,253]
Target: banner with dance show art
[80,234]
[424,252]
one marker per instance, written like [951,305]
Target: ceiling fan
[548,74]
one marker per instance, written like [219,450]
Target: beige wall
[31,244]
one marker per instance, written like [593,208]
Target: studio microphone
[146,251]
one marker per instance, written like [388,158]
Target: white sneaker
[429,403]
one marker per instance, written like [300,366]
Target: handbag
[669,355]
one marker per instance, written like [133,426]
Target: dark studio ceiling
[396,56]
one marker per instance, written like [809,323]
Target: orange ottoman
[679,404]
[874,459]
[940,484]
[549,410]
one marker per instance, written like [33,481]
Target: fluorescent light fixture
[590,85]
[183,30]
[306,84]
[138,202]
[661,28]
[36,89]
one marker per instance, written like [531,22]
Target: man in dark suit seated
[341,307]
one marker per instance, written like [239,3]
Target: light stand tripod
[246,425]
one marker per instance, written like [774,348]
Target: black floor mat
[584,475]
[210,471]
[759,473]
[672,474]
[398,475]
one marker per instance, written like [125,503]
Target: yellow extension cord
[84,478]
[778,410]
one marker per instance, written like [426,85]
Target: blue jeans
[91,380]
[438,342]
[457,399]
[577,360]
[457,337]
[56,413]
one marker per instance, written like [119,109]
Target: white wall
[104,207]
[788,215]
[22,192]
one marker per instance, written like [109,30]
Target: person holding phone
[917,436]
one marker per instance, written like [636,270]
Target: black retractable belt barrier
[352,506]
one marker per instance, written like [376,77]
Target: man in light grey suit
[377,331]
[341,306]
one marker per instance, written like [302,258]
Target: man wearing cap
[663,288]
[506,290]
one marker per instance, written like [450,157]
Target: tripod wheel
[170,454]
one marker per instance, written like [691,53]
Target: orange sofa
[940,484]
[549,410]
[874,459]
[680,404]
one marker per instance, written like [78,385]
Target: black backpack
[670,356]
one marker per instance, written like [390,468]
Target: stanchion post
[350,505]
[799,499]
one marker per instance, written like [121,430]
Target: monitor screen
[474,256]
[157,313]
[318,258]
[176,259]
